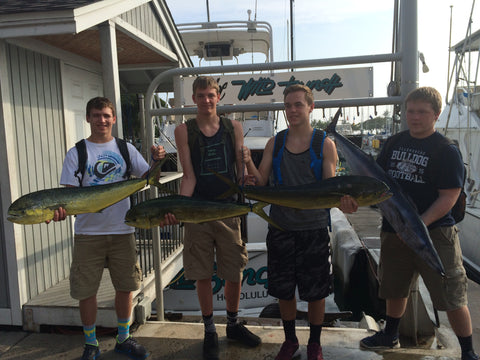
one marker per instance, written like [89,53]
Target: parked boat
[460,121]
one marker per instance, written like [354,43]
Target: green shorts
[214,240]
[92,253]
[399,267]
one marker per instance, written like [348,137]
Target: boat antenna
[449,56]
[208,11]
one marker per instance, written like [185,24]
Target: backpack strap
[316,147]
[122,146]
[227,124]
[278,147]
[82,160]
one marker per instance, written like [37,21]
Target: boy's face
[297,109]
[101,121]
[206,100]
[421,118]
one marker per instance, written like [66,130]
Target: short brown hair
[427,94]
[203,82]
[99,103]
[299,87]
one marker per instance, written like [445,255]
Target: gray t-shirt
[295,170]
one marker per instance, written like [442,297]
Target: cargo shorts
[299,258]
[92,253]
[218,240]
[400,266]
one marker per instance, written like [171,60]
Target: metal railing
[171,236]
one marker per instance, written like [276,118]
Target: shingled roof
[24,6]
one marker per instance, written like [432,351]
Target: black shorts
[299,258]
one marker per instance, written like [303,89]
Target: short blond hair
[427,94]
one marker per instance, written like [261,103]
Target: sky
[324,29]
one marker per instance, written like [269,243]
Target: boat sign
[329,84]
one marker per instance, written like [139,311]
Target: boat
[460,121]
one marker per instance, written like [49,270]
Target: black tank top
[214,153]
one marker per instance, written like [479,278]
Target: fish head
[136,219]
[20,215]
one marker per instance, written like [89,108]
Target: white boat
[460,121]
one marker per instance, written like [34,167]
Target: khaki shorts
[400,266]
[214,239]
[92,253]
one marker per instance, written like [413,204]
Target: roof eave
[65,21]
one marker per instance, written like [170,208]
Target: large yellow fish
[152,212]
[40,206]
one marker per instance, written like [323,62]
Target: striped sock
[123,330]
[90,334]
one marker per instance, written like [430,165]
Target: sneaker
[380,340]
[288,349]
[132,349]
[90,352]
[314,351]
[470,355]
[240,333]
[210,346]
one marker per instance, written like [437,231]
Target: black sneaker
[379,341]
[90,352]
[210,346]
[470,355]
[131,348]
[240,333]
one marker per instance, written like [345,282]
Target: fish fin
[234,188]
[257,208]
[333,124]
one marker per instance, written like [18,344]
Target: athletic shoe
[314,351]
[240,333]
[379,341]
[90,352]
[210,346]
[288,349]
[470,355]
[131,348]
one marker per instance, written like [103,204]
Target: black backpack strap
[227,123]
[122,146]
[82,160]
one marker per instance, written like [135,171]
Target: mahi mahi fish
[150,213]
[323,194]
[398,210]
[40,206]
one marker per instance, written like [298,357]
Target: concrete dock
[183,340]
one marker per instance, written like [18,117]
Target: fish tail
[234,188]
[257,208]
[333,124]
[152,176]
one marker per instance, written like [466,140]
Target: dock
[183,339]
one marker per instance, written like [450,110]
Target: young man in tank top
[299,256]
[220,241]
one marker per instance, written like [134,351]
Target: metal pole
[409,50]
